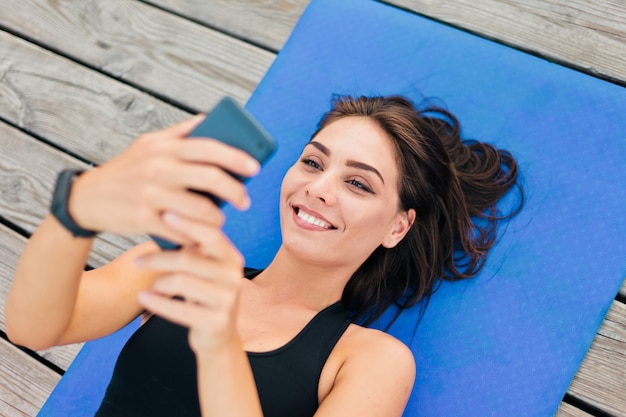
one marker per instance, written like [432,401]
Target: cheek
[372,222]
[288,180]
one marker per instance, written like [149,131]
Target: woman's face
[340,200]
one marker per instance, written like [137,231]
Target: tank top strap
[287,378]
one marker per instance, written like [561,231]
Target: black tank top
[155,374]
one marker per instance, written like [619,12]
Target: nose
[324,188]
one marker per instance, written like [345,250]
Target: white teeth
[313,220]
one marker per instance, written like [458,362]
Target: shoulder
[374,376]
[377,348]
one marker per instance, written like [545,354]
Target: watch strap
[60,203]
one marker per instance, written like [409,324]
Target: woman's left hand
[205,279]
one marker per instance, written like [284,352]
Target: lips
[313,218]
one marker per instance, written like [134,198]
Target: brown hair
[453,186]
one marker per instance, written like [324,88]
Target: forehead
[361,139]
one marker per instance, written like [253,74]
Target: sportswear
[155,374]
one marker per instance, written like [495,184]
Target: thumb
[185,127]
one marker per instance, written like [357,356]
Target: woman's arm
[375,379]
[40,302]
[52,301]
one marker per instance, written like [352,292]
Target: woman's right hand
[154,175]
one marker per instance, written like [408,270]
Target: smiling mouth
[307,218]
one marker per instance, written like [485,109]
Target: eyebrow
[354,164]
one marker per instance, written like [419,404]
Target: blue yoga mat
[509,342]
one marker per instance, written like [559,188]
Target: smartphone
[233,125]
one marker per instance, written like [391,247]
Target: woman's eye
[360,185]
[311,163]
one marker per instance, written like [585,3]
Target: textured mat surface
[509,342]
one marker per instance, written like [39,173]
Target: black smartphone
[233,125]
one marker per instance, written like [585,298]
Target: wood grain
[587,35]
[601,379]
[88,106]
[167,55]
[24,383]
[25,190]
[263,22]
[71,106]
[567,410]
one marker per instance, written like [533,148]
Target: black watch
[60,199]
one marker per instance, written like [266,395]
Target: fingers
[196,208]
[184,128]
[154,175]
[202,164]
[201,150]
[214,292]
[206,292]
[218,260]
[210,241]
[198,279]
[213,152]
[212,180]
[210,327]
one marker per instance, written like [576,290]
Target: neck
[289,280]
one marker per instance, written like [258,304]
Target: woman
[384,201]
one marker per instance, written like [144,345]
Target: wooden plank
[263,22]
[601,379]
[25,191]
[160,52]
[11,246]
[567,410]
[54,126]
[24,383]
[587,35]
[78,109]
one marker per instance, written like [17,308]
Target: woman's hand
[205,278]
[130,193]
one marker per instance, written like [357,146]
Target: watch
[60,199]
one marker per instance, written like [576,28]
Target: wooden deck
[80,79]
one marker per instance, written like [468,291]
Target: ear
[401,226]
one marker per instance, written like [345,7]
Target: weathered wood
[587,35]
[590,36]
[141,44]
[264,22]
[78,109]
[25,191]
[96,116]
[601,379]
[11,245]
[567,410]
[24,383]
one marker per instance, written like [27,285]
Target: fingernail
[247,203]
[198,117]
[170,218]
[253,166]
[139,261]
[143,297]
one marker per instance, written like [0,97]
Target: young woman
[384,201]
